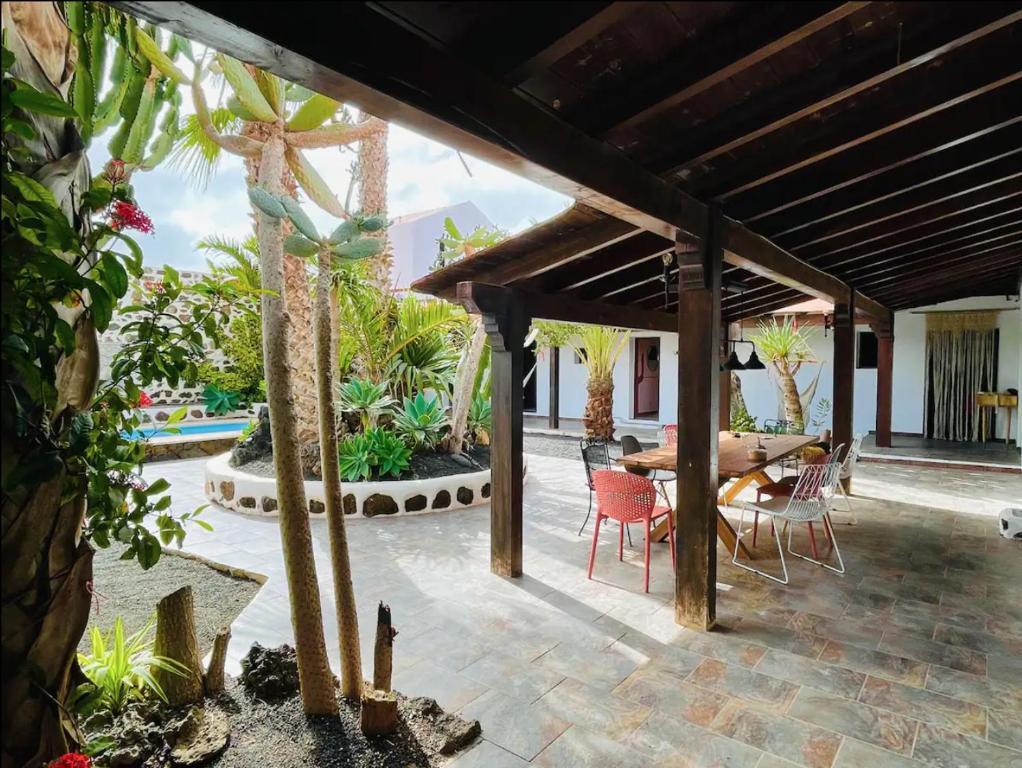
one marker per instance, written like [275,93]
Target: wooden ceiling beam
[860,133]
[700,70]
[1006,284]
[480,298]
[863,276]
[571,39]
[847,78]
[964,286]
[422,85]
[960,265]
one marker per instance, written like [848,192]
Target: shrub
[743,422]
[120,669]
[390,456]
[220,402]
[356,458]
[242,346]
[420,422]
[365,398]
[480,414]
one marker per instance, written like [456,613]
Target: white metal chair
[809,502]
[847,468]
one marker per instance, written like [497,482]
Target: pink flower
[125,215]
[71,760]
[144,400]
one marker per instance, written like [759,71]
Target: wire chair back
[835,454]
[671,434]
[595,456]
[813,493]
[622,496]
[852,458]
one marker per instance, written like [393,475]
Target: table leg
[725,532]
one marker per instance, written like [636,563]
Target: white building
[413,238]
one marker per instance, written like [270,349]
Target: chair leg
[645,581]
[837,552]
[596,538]
[629,532]
[586,521]
[755,527]
[621,542]
[670,538]
[848,505]
[812,541]
[780,551]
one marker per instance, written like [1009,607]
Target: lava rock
[227,489]
[485,491]
[258,444]
[442,500]
[416,503]
[312,467]
[248,502]
[350,504]
[316,507]
[204,735]
[379,504]
[465,495]
[270,673]
[269,504]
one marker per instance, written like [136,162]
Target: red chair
[671,434]
[627,498]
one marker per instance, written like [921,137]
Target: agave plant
[365,398]
[355,458]
[480,415]
[219,402]
[120,669]
[420,421]
[390,456]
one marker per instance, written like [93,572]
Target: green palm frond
[241,256]
[599,348]
[784,342]
[195,154]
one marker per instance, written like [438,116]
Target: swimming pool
[209,428]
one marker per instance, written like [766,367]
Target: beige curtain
[961,355]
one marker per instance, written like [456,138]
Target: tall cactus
[269,145]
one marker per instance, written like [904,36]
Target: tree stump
[213,681]
[379,713]
[175,639]
[383,657]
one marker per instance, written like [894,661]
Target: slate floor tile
[1005,728]
[857,754]
[595,709]
[875,726]
[791,739]
[766,691]
[816,674]
[673,743]
[451,690]
[944,748]
[978,689]
[517,726]
[668,694]
[486,754]
[962,659]
[977,641]
[887,665]
[603,669]
[925,706]
[578,747]
[512,676]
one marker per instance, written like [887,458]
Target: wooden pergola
[864,153]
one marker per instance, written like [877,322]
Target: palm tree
[273,139]
[372,197]
[454,246]
[599,348]
[786,347]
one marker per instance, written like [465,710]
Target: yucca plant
[365,398]
[786,347]
[120,669]
[599,348]
[420,421]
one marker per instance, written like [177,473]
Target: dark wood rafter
[827,86]
[973,273]
[1004,285]
[907,275]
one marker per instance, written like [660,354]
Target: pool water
[210,428]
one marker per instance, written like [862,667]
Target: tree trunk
[344,593]
[598,418]
[175,639]
[45,566]
[299,301]
[383,656]
[213,680]
[314,674]
[792,402]
[737,398]
[461,400]
[372,200]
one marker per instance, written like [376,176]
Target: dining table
[733,464]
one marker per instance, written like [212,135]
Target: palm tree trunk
[792,402]
[598,418]
[372,199]
[344,593]
[299,302]
[737,398]
[45,565]
[314,674]
[461,400]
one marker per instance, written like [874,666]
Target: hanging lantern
[733,363]
[754,363]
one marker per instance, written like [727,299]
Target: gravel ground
[564,447]
[123,589]
[283,736]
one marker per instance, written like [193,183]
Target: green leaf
[115,274]
[300,246]
[31,100]
[313,113]
[156,487]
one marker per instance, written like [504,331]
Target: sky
[423,174]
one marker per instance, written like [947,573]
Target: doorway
[647,379]
[529,389]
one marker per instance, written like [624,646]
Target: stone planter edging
[251,494]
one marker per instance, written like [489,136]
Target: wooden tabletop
[732,459]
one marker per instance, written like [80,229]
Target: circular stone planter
[256,495]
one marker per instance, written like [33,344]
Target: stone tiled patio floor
[913,658]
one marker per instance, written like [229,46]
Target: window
[578,358]
[867,350]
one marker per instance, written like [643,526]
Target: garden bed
[242,490]
[123,589]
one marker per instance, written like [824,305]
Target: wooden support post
[554,411]
[885,381]
[844,374]
[695,590]
[729,331]
[507,330]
